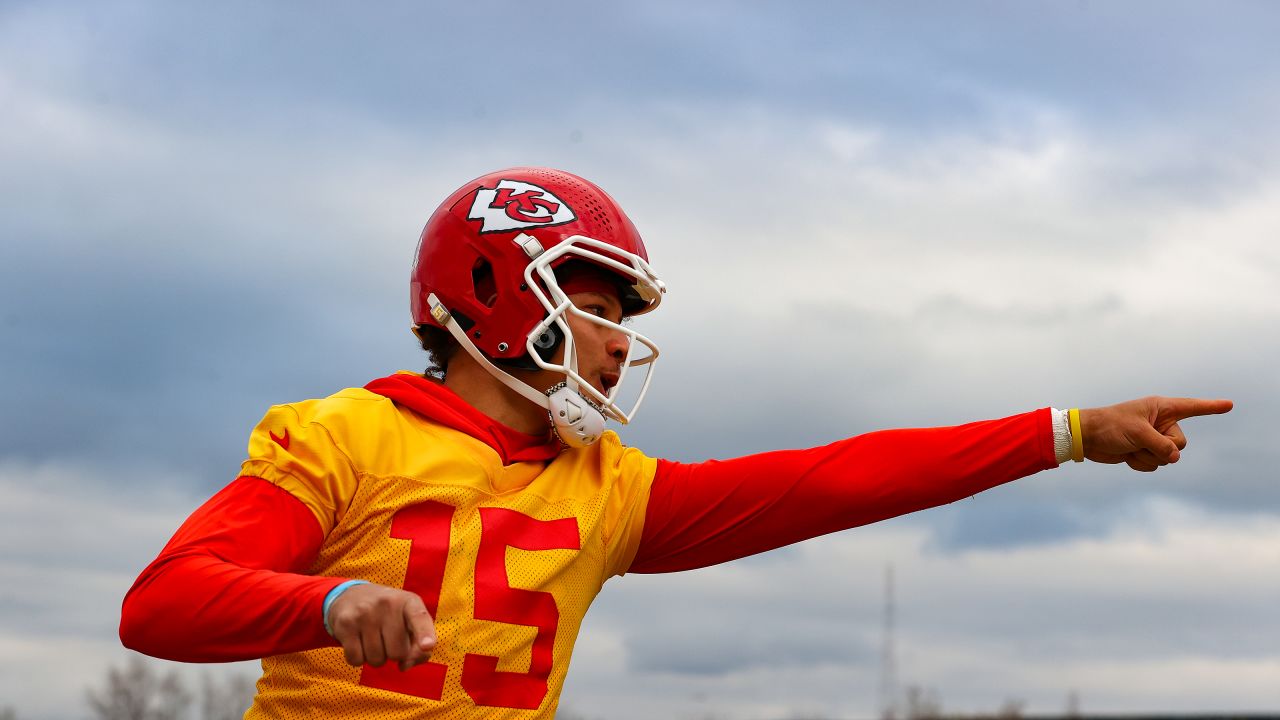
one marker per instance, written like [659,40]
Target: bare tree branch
[137,692]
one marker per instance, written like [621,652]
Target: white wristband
[1061,435]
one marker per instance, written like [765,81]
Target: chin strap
[578,422]
[576,419]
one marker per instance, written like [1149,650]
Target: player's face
[601,350]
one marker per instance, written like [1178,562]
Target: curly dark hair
[440,345]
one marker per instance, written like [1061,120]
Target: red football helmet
[486,272]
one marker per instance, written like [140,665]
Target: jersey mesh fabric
[512,555]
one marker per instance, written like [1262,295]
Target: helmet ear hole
[483,284]
[545,345]
[547,342]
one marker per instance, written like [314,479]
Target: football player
[427,545]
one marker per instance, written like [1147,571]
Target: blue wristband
[333,595]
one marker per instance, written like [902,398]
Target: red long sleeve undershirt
[227,586]
[712,512]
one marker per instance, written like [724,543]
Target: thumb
[422,629]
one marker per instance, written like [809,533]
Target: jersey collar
[436,402]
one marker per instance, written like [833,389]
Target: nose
[617,346]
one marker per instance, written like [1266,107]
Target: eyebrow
[598,294]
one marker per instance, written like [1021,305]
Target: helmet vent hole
[483,284]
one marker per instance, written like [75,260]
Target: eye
[597,310]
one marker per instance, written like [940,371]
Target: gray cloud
[868,218]
[1164,595]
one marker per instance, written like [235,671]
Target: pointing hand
[1142,433]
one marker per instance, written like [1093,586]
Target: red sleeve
[227,587]
[712,512]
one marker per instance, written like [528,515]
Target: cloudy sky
[869,216]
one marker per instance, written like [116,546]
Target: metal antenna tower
[888,656]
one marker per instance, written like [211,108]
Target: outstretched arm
[708,513]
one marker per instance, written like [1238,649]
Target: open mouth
[608,381]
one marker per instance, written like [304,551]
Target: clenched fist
[377,624]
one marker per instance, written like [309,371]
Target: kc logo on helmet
[514,205]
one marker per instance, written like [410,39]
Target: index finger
[1181,408]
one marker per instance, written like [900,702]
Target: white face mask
[577,409]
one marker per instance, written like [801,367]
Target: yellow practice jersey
[506,558]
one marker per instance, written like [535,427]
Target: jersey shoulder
[312,448]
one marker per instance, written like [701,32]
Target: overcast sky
[868,215]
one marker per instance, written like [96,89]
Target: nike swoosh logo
[281,441]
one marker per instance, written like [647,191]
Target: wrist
[1061,434]
[332,596]
[1077,434]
